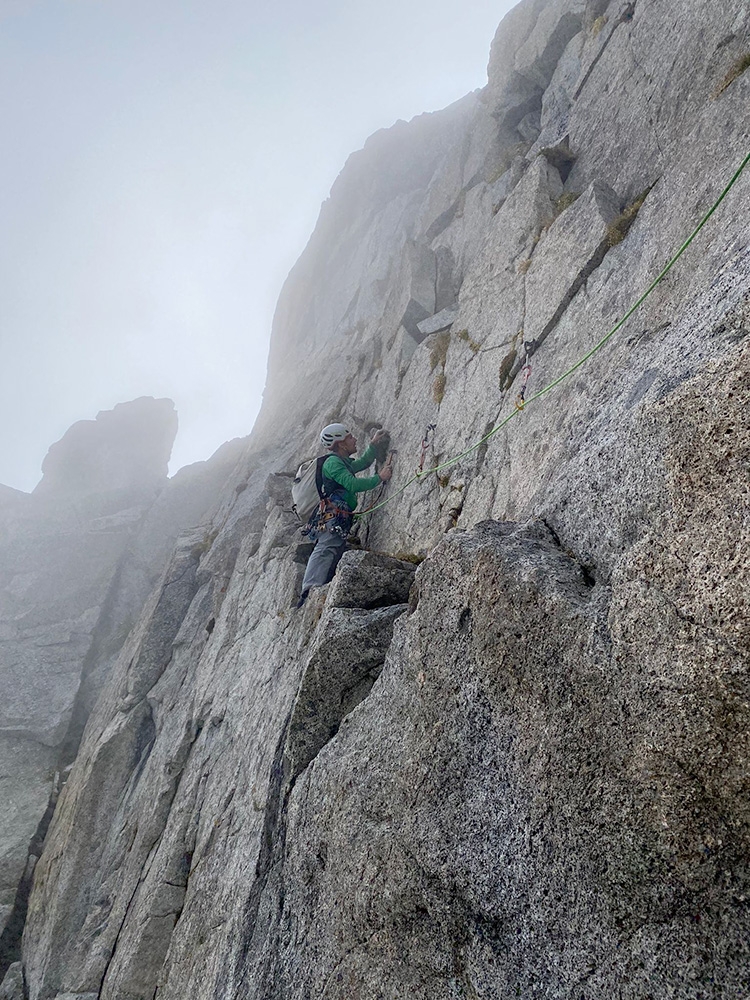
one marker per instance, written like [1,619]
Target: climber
[330,524]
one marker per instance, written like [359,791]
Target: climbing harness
[421,473]
[333,515]
[425,445]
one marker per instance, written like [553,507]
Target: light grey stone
[492,303]
[529,126]
[511,663]
[75,574]
[77,996]
[27,777]
[560,94]
[12,985]
[540,53]
[525,53]
[420,275]
[279,488]
[503,185]
[345,661]
[544,793]
[370,580]
[567,253]
[447,282]
[440,321]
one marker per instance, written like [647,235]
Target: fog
[163,166]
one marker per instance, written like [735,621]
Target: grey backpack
[307,489]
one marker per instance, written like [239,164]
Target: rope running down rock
[420,474]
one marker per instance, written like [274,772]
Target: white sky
[162,166]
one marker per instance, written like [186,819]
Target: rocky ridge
[526,773]
[79,557]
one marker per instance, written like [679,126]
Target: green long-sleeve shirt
[342,472]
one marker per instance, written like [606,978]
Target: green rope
[581,361]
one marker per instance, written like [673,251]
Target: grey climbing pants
[322,564]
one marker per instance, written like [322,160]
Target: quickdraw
[425,445]
[520,399]
[576,365]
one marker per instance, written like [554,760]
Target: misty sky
[163,164]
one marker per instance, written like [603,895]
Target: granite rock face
[79,557]
[521,770]
[12,985]
[574,246]
[497,864]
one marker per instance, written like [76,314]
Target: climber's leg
[322,564]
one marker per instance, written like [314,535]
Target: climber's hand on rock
[385,473]
[379,435]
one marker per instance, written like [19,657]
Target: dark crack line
[644,74]
[273,839]
[215,827]
[148,862]
[191,567]
[627,15]
[10,940]
[587,570]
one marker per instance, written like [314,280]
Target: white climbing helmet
[333,433]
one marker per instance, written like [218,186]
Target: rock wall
[526,773]
[79,557]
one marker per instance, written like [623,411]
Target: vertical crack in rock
[482,449]
[273,839]
[10,940]
[346,659]
[108,637]
[573,248]
[627,15]
[180,763]
[545,788]
[148,729]
[347,654]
